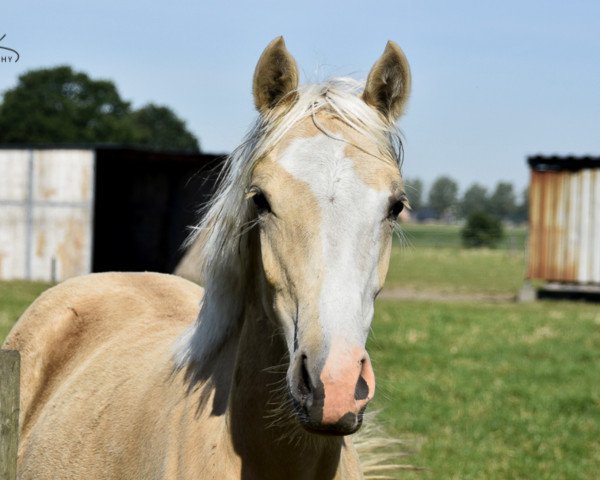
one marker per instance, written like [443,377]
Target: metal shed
[70,211]
[564,219]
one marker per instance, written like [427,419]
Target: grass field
[506,391]
[476,390]
[456,270]
[14,299]
[421,235]
[429,257]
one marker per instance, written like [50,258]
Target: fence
[9,413]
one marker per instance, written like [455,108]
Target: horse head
[326,196]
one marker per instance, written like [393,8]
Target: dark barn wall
[144,205]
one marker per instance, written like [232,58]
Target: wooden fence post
[10,362]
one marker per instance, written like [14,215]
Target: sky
[493,82]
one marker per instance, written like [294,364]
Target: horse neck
[264,431]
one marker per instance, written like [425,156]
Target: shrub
[482,230]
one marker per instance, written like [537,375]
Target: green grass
[15,297]
[419,235]
[491,391]
[456,270]
[430,257]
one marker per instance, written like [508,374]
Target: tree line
[444,202]
[59,106]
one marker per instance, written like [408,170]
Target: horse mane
[221,239]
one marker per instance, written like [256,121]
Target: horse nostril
[304,385]
[303,381]
[365,385]
[361,391]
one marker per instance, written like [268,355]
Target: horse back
[77,319]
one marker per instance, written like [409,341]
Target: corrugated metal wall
[564,226]
[46,208]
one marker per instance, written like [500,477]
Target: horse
[263,372]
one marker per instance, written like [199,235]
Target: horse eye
[261,203]
[396,208]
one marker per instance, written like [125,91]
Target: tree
[521,213]
[474,199]
[414,191]
[443,196]
[60,106]
[502,201]
[157,126]
[482,230]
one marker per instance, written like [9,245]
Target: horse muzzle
[331,399]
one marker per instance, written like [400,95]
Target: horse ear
[388,84]
[275,77]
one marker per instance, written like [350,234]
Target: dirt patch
[441,296]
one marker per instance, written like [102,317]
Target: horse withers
[263,372]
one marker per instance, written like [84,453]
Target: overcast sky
[493,82]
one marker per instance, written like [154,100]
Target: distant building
[70,211]
[564,220]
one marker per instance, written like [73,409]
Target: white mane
[228,217]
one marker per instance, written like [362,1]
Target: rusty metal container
[564,219]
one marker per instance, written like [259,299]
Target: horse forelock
[226,220]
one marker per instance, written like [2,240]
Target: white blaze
[351,214]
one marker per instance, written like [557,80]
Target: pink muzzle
[331,399]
